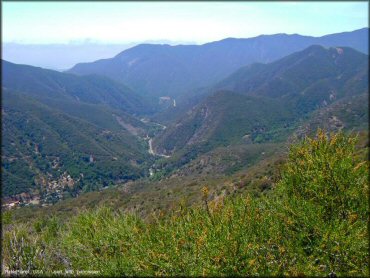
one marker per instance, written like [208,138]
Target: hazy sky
[122,22]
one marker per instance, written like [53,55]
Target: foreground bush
[314,222]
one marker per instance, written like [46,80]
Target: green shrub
[21,251]
[324,171]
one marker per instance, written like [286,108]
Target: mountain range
[164,70]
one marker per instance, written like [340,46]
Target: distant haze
[64,56]
[58,56]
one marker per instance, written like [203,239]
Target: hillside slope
[298,71]
[225,118]
[350,114]
[48,153]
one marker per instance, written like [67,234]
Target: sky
[193,22]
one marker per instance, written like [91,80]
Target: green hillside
[227,118]
[41,146]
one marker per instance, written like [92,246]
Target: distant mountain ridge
[161,70]
[93,89]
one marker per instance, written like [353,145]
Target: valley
[257,105]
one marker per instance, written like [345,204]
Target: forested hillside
[53,153]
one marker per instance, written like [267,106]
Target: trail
[152,152]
